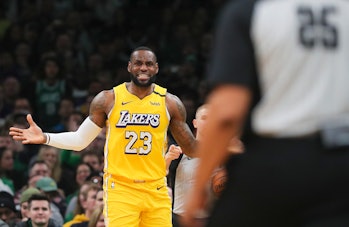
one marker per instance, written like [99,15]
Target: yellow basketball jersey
[137,135]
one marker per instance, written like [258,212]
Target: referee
[280,76]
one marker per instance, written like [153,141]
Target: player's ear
[157,68]
[194,123]
[129,67]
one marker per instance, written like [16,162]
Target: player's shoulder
[174,105]
[106,93]
[104,97]
[171,98]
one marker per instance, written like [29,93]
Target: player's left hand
[173,152]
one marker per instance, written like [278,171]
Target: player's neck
[138,91]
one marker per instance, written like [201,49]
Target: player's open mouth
[143,77]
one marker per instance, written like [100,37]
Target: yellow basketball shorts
[137,204]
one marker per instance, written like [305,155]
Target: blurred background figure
[6,167]
[75,205]
[97,219]
[89,205]
[50,88]
[274,66]
[8,212]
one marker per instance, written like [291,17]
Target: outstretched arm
[77,140]
[178,125]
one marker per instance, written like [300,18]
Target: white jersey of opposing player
[302,52]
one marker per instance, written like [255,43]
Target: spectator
[13,36]
[99,198]
[6,167]
[66,108]
[96,215]
[12,90]
[22,105]
[26,194]
[75,206]
[51,157]
[88,203]
[31,33]
[5,110]
[95,64]
[93,87]
[5,188]
[66,53]
[8,212]
[23,62]
[49,89]
[7,66]
[97,219]
[36,171]
[57,203]
[5,141]
[83,171]
[93,158]
[39,168]
[15,165]
[39,213]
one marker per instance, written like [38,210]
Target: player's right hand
[31,135]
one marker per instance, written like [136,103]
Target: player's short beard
[150,81]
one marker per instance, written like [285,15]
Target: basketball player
[280,74]
[138,113]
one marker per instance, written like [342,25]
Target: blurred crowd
[56,55]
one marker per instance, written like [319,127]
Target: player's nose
[144,67]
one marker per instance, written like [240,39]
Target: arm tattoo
[97,109]
[180,130]
[181,110]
